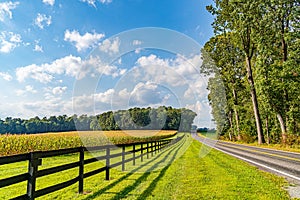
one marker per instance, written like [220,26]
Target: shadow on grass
[174,149]
[147,192]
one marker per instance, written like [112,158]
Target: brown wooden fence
[35,160]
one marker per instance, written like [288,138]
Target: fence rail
[145,149]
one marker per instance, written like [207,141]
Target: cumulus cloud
[28,89]
[110,46]
[5,9]
[6,76]
[70,65]
[49,2]
[145,94]
[59,90]
[42,20]
[181,75]
[37,47]
[9,41]
[82,42]
[48,107]
[93,2]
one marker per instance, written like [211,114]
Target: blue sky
[63,57]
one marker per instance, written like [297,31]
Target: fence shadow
[169,153]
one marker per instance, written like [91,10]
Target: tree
[222,56]
[242,17]
[279,67]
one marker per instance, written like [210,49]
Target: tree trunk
[237,118]
[267,129]
[254,102]
[231,133]
[282,126]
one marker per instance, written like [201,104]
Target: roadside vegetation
[253,61]
[176,173]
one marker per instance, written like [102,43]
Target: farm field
[176,173]
[16,144]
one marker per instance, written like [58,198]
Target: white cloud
[38,48]
[138,50]
[59,90]
[5,76]
[136,42]
[9,41]
[93,2]
[49,2]
[110,47]
[5,9]
[145,94]
[83,42]
[28,89]
[152,60]
[48,107]
[42,20]
[70,65]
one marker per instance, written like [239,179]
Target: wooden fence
[35,160]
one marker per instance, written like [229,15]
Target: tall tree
[242,17]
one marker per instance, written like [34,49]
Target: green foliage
[255,51]
[161,118]
[166,118]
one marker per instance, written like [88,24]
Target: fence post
[152,149]
[34,162]
[123,158]
[147,150]
[107,163]
[141,152]
[133,154]
[81,169]
[159,143]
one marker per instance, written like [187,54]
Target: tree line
[161,118]
[254,56]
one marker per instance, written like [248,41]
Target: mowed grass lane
[177,173]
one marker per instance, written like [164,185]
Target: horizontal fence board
[54,188]
[45,154]
[91,160]
[98,148]
[60,168]
[97,171]
[14,158]
[115,155]
[14,180]
[115,164]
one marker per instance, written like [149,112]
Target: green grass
[176,173]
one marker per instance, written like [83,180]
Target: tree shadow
[144,177]
[171,150]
